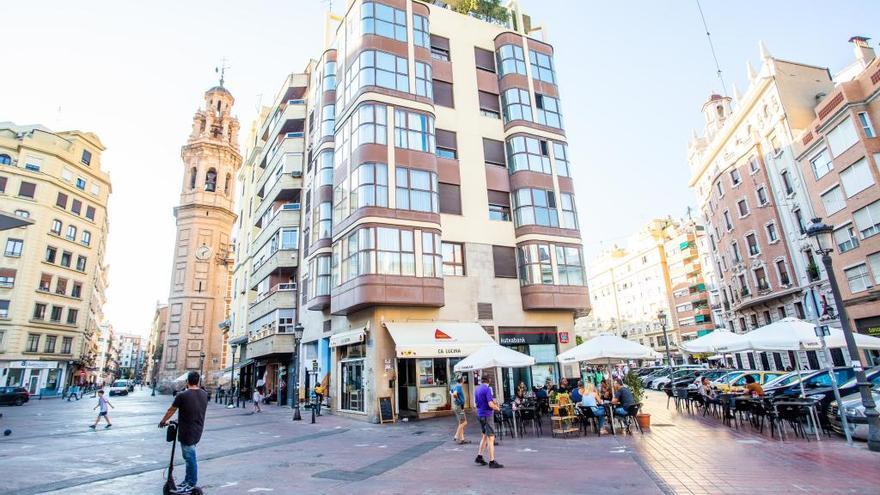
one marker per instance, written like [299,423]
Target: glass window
[375,68]
[548,111]
[323,220]
[81,263]
[383,20]
[762,196]
[330,75]
[528,153]
[511,60]
[319,272]
[542,67]
[868,219]
[66,344]
[856,178]
[833,200]
[33,342]
[49,346]
[772,236]
[534,264]
[86,238]
[560,156]
[421,31]
[289,238]
[786,182]
[846,238]
[857,278]
[535,207]
[453,259]
[56,227]
[432,259]
[499,212]
[417,190]
[414,131]
[842,137]
[743,207]
[821,164]
[569,215]
[324,172]
[369,186]
[517,105]
[328,120]
[569,265]
[13,247]
[71,233]
[874,263]
[424,84]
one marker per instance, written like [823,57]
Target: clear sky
[632,78]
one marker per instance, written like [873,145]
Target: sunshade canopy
[437,339]
[716,341]
[792,334]
[494,356]
[607,347]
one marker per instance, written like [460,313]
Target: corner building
[438,210]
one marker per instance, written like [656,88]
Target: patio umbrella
[713,342]
[792,334]
[605,348]
[494,356]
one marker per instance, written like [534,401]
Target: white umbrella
[715,341]
[792,334]
[606,347]
[494,356]
[182,378]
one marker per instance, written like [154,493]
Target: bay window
[417,190]
[528,153]
[383,20]
[542,67]
[511,60]
[414,131]
[517,105]
[369,186]
[535,207]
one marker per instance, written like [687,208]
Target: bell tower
[199,295]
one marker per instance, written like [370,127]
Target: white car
[119,387]
[855,414]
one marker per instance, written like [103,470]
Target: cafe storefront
[540,343]
[870,326]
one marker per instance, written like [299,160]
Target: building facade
[130,356]
[427,152]
[199,298]
[153,351]
[52,272]
[839,155]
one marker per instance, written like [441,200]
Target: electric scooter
[170,486]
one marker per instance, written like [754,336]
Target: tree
[487,10]
[578,340]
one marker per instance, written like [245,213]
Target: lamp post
[155,366]
[823,235]
[201,367]
[232,374]
[661,317]
[297,336]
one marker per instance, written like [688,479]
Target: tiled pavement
[51,450]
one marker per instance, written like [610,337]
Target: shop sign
[527,338]
[44,365]
[563,337]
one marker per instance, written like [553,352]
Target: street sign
[315,365]
[822,331]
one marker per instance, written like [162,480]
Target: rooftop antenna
[712,48]
[221,70]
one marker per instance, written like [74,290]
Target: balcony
[269,341]
[280,296]
[286,216]
[286,187]
[283,258]
[288,117]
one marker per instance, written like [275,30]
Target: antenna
[221,70]
[712,48]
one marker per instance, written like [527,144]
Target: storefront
[351,351]
[870,326]
[540,343]
[426,356]
[38,377]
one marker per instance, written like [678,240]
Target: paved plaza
[51,450]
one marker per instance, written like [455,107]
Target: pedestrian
[72,392]
[458,408]
[102,412]
[486,408]
[190,406]
[258,397]
[319,397]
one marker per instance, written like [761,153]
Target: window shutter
[439,42]
[446,139]
[326,325]
[443,94]
[61,200]
[90,212]
[504,260]
[493,151]
[489,101]
[500,198]
[27,189]
[76,206]
[484,311]
[2,184]
[450,198]
[485,59]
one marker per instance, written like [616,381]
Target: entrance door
[33,381]
[407,388]
[353,385]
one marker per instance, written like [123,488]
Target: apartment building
[130,355]
[153,351]
[427,151]
[839,155]
[52,273]
[107,359]
[753,197]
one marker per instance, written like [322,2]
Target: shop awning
[348,337]
[437,339]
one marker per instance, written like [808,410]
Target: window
[3,184]
[450,198]
[511,60]
[734,250]
[783,274]
[534,264]
[727,222]
[453,259]
[874,263]
[528,153]
[499,212]
[421,31]
[417,190]
[5,159]
[22,213]
[833,200]
[320,272]
[772,236]
[56,227]
[383,20]
[857,278]
[856,178]
[86,238]
[535,207]
[865,122]
[50,254]
[66,258]
[424,84]
[414,131]
[442,93]
[799,219]
[33,343]
[4,314]
[485,59]
[569,215]
[328,120]
[72,315]
[55,314]
[489,105]
[375,68]
[846,239]
[81,263]
[786,183]
[493,152]
[447,144]
[86,157]
[76,290]
[324,172]
[504,261]
[323,223]
[517,105]
[842,137]
[542,67]
[49,345]
[39,311]
[368,126]
[13,247]
[33,167]
[548,111]
[369,186]
[81,183]
[395,251]
[735,178]
[61,200]
[560,156]
[95,190]
[432,259]
[61,286]
[440,48]
[821,164]
[7,277]
[27,190]
[752,242]
[761,280]
[76,206]
[868,219]
[743,207]
[71,233]
[329,75]
[569,265]
[753,165]
[720,189]
[762,196]
[66,344]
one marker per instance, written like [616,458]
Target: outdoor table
[810,404]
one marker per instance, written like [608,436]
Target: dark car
[14,396]
[854,400]
[817,384]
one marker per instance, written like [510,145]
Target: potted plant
[638,392]
[813,271]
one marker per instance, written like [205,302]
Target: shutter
[493,151]
[439,42]
[484,311]
[61,200]
[504,260]
[2,184]
[489,101]
[500,198]
[326,325]
[489,329]
[443,94]
[90,212]
[27,189]
[7,272]
[450,198]
[76,206]
[446,139]
[485,59]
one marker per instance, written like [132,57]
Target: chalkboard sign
[386,410]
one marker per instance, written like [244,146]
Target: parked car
[785,379]
[14,396]
[817,384]
[737,382]
[119,387]
[855,412]
[677,375]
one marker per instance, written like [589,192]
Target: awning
[437,339]
[237,341]
[347,338]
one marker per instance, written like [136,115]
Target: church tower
[199,297]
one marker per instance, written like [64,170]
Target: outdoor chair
[532,417]
[588,419]
[669,396]
[629,418]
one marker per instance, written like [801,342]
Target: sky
[632,76]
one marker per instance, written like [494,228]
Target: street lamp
[232,375]
[297,336]
[155,366]
[823,235]
[661,317]
[201,367]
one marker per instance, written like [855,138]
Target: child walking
[258,397]
[102,412]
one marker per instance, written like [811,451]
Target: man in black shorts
[190,405]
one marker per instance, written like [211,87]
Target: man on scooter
[190,406]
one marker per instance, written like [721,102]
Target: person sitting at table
[604,390]
[592,401]
[577,393]
[623,398]
[707,392]
[563,385]
[753,388]
[521,390]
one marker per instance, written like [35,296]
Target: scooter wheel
[196,491]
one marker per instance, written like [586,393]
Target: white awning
[437,339]
[347,338]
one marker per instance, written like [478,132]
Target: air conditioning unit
[297,173]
